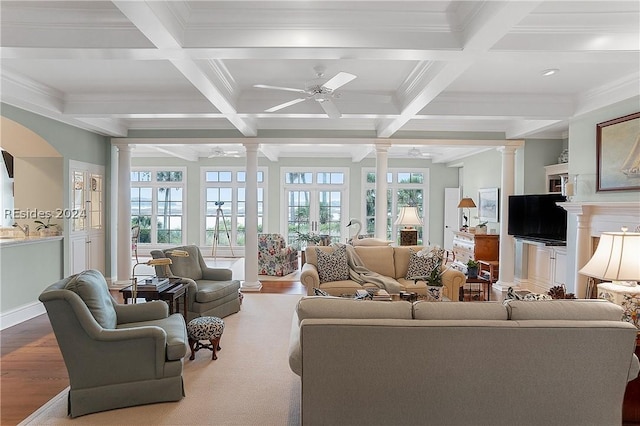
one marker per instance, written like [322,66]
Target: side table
[484,290]
[171,295]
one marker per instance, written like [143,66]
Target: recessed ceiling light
[550,71]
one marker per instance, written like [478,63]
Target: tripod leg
[216,229]
[224,222]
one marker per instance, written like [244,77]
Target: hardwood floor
[32,370]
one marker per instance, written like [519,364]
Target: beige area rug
[249,384]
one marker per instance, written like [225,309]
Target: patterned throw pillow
[333,266]
[319,292]
[421,266]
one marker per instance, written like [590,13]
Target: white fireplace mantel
[591,220]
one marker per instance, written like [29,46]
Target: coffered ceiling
[429,75]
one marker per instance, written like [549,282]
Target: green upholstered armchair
[210,291]
[116,355]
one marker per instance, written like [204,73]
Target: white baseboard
[21,314]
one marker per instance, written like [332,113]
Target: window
[404,188]
[225,205]
[315,203]
[158,205]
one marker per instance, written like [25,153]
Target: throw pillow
[512,295]
[421,266]
[319,292]
[333,266]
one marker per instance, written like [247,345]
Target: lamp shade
[408,216]
[466,203]
[617,257]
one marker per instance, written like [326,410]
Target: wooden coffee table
[171,295]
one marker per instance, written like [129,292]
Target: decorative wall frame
[618,154]
[488,205]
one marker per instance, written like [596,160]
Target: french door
[315,202]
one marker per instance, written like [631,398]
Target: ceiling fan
[323,93]
[416,153]
[217,152]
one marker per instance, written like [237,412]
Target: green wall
[73,144]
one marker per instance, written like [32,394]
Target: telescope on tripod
[216,230]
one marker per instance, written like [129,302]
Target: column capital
[382,146]
[507,149]
[251,146]
[125,147]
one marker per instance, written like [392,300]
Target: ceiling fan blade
[288,89]
[338,80]
[330,108]
[284,105]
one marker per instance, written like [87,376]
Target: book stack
[382,294]
[153,284]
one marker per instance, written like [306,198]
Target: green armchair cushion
[208,291]
[176,334]
[93,290]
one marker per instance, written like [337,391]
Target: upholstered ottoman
[205,328]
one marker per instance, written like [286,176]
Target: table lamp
[408,217]
[616,259]
[466,203]
[151,262]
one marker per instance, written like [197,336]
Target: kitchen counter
[32,239]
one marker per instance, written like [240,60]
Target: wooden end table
[171,295]
[488,282]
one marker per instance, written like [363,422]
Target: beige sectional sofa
[551,362]
[385,260]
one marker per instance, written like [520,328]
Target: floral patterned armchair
[274,257]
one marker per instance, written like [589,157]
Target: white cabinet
[86,216]
[547,267]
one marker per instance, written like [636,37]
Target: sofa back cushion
[343,308]
[401,257]
[378,259]
[423,310]
[92,288]
[580,309]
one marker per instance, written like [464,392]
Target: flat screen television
[537,218]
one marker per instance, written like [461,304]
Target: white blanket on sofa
[360,274]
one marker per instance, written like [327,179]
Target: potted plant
[303,240]
[434,282]
[47,229]
[472,268]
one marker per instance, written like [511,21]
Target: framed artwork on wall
[488,204]
[618,154]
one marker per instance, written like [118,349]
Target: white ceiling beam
[181,152]
[269,152]
[155,28]
[149,54]
[359,152]
[525,128]
[488,27]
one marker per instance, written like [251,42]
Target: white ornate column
[382,167]
[251,282]
[123,206]
[507,242]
